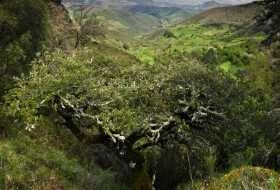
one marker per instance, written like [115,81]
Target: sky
[195,2]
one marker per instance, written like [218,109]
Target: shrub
[125,46]
[248,178]
[168,34]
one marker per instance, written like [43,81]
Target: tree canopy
[270,17]
[117,101]
[23,31]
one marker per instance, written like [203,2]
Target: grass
[48,158]
[245,178]
[198,38]
[248,178]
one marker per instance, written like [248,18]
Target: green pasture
[227,66]
[199,39]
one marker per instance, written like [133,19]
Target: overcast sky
[195,2]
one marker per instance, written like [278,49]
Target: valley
[196,39]
[228,36]
[139,95]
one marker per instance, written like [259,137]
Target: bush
[125,46]
[168,34]
[243,178]
[248,178]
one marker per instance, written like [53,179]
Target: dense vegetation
[22,34]
[77,112]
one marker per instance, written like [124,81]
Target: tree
[23,29]
[270,18]
[210,57]
[86,23]
[168,34]
[112,99]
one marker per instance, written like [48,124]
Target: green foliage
[44,159]
[248,178]
[269,17]
[168,34]
[210,57]
[125,46]
[86,24]
[23,31]
[210,164]
[101,91]
[209,44]
[61,79]
[125,97]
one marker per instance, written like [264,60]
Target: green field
[230,49]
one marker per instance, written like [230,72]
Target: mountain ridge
[236,15]
[219,16]
[127,3]
[207,5]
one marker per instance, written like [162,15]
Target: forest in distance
[139,95]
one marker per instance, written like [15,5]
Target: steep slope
[128,22]
[165,14]
[48,157]
[239,16]
[121,40]
[235,15]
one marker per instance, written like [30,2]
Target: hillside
[120,40]
[238,15]
[167,15]
[212,40]
[138,19]
[243,21]
[128,22]
[46,158]
[90,101]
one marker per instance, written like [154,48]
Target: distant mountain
[114,3]
[144,2]
[134,17]
[165,14]
[102,3]
[211,4]
[128,22]
[206,5]
[127,3]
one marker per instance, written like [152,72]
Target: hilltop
[238,15]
